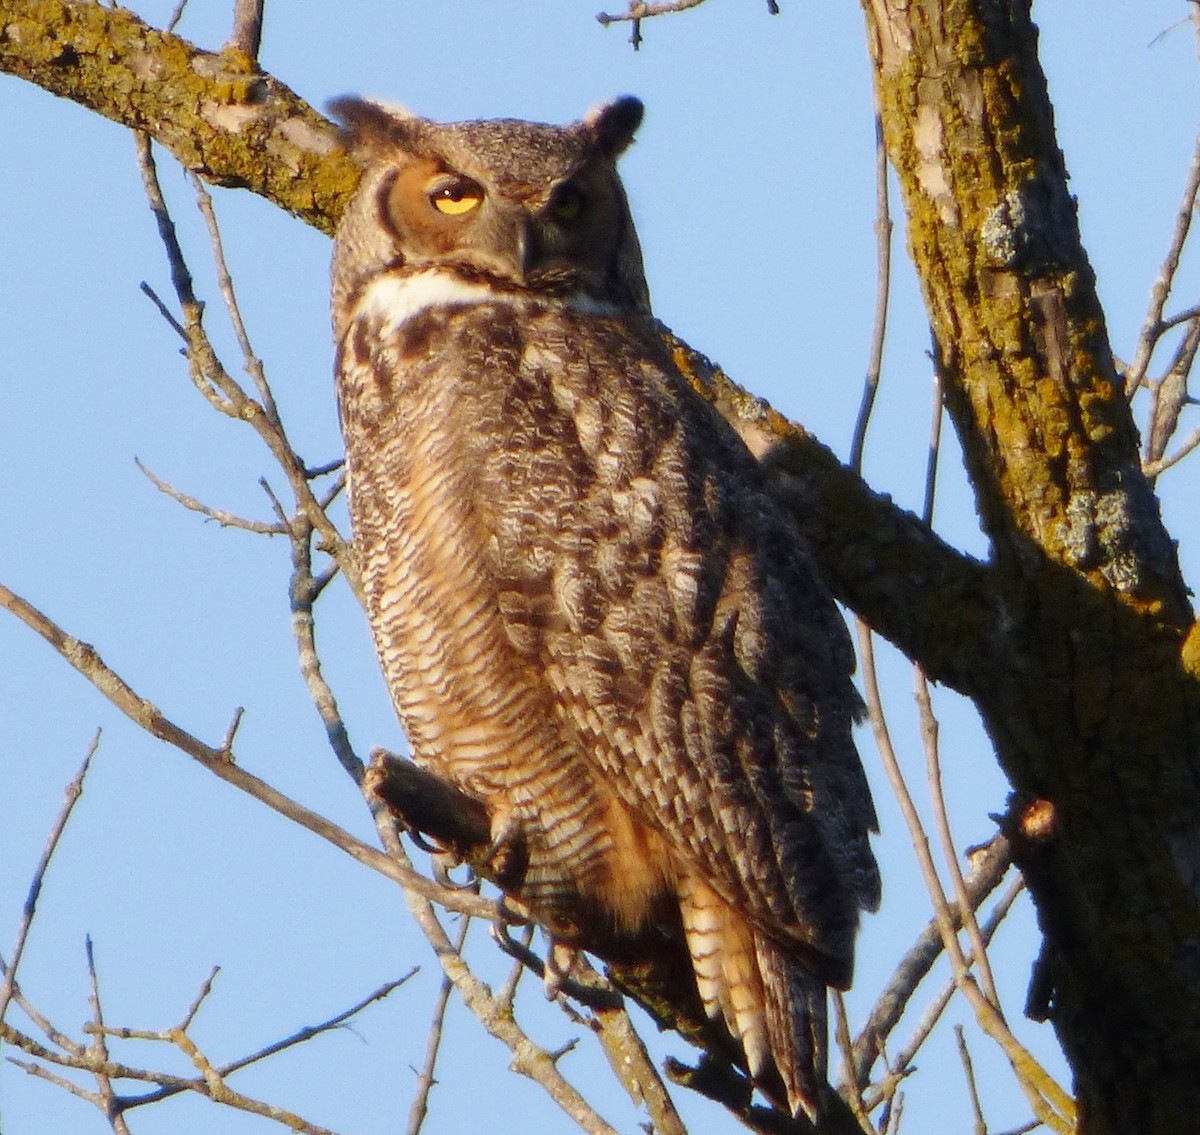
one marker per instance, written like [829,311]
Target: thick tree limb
[217,113]
[1094,707]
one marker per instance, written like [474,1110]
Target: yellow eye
[455,196]
[567,203]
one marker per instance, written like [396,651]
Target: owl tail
[772,1005]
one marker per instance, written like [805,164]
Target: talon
[424,844]
[507,853]
[442,864]
[560,961]
[507,914]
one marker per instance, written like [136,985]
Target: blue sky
[752,185]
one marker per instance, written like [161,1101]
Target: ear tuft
[369,126]
[613,124]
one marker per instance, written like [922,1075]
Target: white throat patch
[394,300]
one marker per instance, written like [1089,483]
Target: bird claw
[442,863]
[560,961]
[507,853]
[508,915]
[424,844]
[560,958]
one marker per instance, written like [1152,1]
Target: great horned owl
[590,610]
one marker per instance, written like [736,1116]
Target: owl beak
[526,247]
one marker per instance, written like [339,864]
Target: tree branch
[219,115]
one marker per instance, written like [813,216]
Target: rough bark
[1095,708]
[219,115]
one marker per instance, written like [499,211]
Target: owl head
[518,207]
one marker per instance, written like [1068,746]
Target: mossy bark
[1094,706]
[216,112]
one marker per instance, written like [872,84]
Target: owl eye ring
[455,195]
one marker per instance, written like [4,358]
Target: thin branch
[176,15]
[73,792]
[1050,1103]
[247,27]
[964,1057]
[508,991]
[966,910]
[988,869]
[883,280]
[84,658]
[252,363]
[637,12]
[419,1107]
[304,591]
[301,1036]
[99,1049]
[1189,445]
[496,1017]
[164,311]
[851,1091]
[215,1088]
[1153,325]
[224,393]
[627,1055]
[40,1072]
[223,518]
[903,1060]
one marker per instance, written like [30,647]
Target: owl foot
[507,854]
[560,961]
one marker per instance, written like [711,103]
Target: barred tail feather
[797,1009]
[773,1006]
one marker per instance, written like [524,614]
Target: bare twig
[301,1036]
[304,590]
[903,1060]
[73,792]
[176,15]
[1050,1103]
[220,389]
[252,363]
[223,518]
[496,1017]
[1190,443]
[988,870]
[626,1054]
[1153,325]
[99,1050]
[883,280]
[851,1092]
[247,27]
[419,1107]
[508,990]
[965,1057]
[165,312]
[638,12]
[966,910]
[213,1086]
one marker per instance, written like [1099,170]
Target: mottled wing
[644,566]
